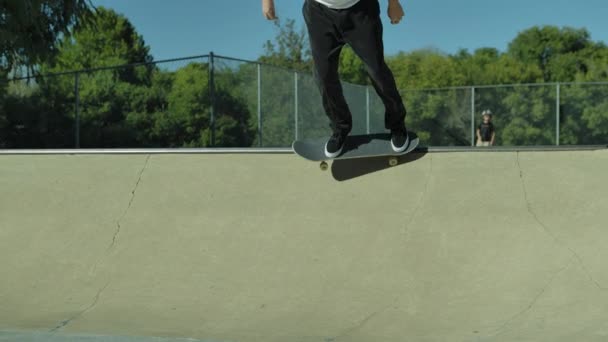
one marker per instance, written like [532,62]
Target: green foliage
[120,107]
[584,114]
[425,69]
[29,32]
[277,107]
[290,48]
[31,118]
[559,53]
[352,69]
[187,120]
[106,96]
[4,124]
[107,39]
[596,64]
[524,115]
[150,106]
[30,29]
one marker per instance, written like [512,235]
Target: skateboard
[355,146]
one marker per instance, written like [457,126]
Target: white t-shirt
[338,4]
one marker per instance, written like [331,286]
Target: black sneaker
[335,144]
[400,140]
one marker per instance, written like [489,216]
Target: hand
[395,11]
[269,10]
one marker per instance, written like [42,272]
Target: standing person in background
[332,24]
[486,133]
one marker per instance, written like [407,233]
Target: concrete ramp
[508,246]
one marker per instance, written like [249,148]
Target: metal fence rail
[217,101]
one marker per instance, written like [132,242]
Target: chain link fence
[215,101]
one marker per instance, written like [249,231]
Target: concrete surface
[37,336]
[450,247]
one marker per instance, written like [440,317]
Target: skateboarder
[332,24]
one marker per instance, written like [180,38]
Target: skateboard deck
[356,146]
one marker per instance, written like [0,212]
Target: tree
[352,69]
[288,53]
[186,121]
[554,50]
[425,69]
[473,66]
[105,96]
[148,104]
[44,116]
[290,48]
[437,115]
[30,29]
[4,124]
[107,39]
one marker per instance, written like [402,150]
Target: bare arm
[395,11]
[478,135]
[493,138]
[268,9]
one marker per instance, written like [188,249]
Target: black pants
[360,27]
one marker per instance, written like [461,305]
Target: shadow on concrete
[347,169]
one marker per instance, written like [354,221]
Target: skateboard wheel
[323,166]
[393,161]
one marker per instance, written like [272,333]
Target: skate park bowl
[246,245]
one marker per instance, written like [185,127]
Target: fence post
[260,105]
[296,103]
[77,110]
[212,97]
[367,110]
[472,116]
[557,112]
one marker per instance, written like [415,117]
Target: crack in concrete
[114,240]
[124,214]
[359,325]
[421,200]
[64,323]
[534,300]
[547,231]
[118,225]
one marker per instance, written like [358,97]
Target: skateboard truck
[392,161]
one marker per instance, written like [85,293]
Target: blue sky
[236,28]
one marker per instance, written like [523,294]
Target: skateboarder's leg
[326,44]
[365,38]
